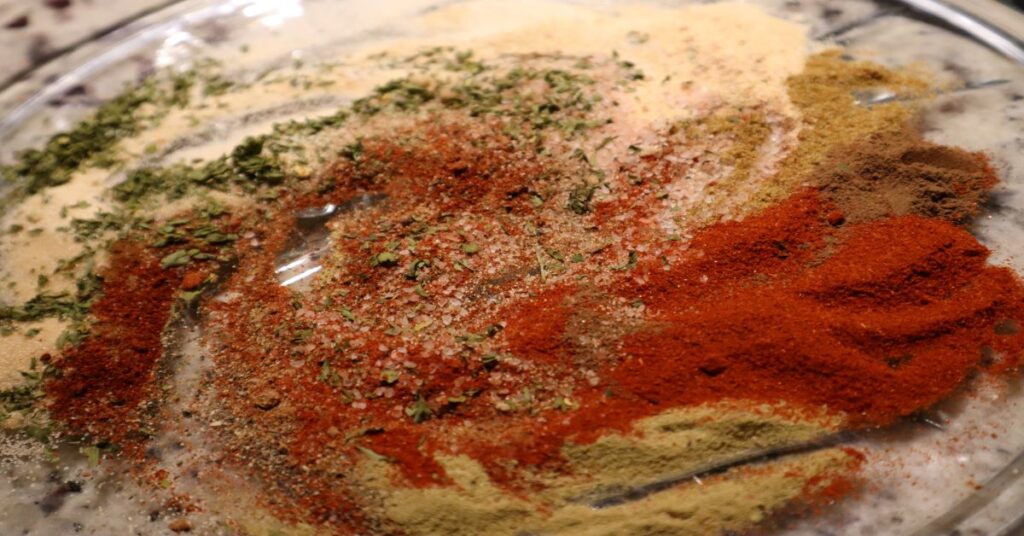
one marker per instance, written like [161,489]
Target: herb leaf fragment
[419,411]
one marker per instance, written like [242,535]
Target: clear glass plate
[919,470]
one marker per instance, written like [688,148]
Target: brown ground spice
[825,92]
[897,174]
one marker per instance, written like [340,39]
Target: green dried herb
[21,397]
[301,335]
[70,337]
[251,160]
[87,229]
[389,376]
[580,197]
[489,361]
[402,95]
[630,263]
[312,126]
[174,182]
[62,305]
[414,269]
[419,411]
[212,235]
[564,404]
[66,152]
[327,374]
[353,151]
[217,85]
[385,258]
[180,257]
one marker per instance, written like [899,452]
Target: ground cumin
[671,443]
[747,137]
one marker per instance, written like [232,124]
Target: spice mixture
[493,296]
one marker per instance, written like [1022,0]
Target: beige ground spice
[747,137]
[684,440]
[668,444]
[736,501]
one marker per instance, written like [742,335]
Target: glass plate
[918,487]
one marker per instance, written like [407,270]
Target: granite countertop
[36,31]
[33,32]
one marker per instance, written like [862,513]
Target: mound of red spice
[104,381]
[891,322]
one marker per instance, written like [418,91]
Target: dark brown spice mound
[902,174]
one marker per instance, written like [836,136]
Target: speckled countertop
[36,31]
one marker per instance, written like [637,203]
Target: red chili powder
[104,380]
[876,332]
[536,328]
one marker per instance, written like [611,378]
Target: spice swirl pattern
[506,292]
